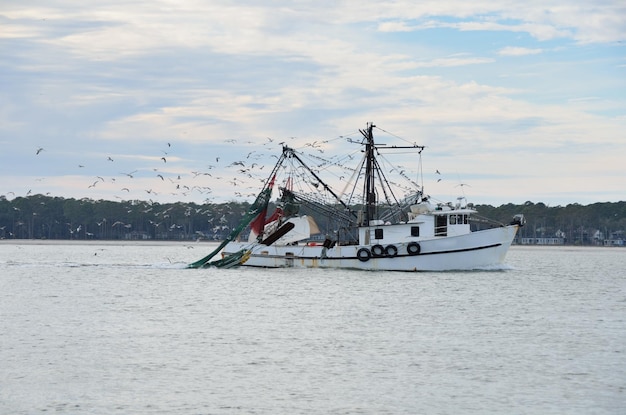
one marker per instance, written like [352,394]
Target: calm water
[123,329]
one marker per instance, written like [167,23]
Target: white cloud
[582,21]
[518,51]
[453,61]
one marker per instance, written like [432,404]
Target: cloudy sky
[521,101]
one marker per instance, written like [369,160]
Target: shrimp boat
[364,226]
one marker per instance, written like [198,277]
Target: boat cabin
[425,222]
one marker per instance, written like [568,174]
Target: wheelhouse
[435,223]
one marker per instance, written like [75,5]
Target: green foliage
[578,223]
[44,217]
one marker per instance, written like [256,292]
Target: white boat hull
[475,250]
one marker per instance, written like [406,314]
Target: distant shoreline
[206,243]
[115,242]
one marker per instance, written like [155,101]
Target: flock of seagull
[234,175]
[241,178]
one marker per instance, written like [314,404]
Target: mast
[372,169]
[370,181]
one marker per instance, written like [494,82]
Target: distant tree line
[45,217]
[576,224]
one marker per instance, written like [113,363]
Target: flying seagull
[39,150]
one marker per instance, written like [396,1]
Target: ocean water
[106,328]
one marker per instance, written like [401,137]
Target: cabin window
[378,234]
[458,220]
[415,231]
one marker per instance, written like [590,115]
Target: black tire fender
[391,250]
[413,248]
[363,254]
[378,251]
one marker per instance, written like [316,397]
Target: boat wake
[496,267]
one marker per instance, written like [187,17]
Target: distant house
[552,240]
[615,239]
[137,236]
